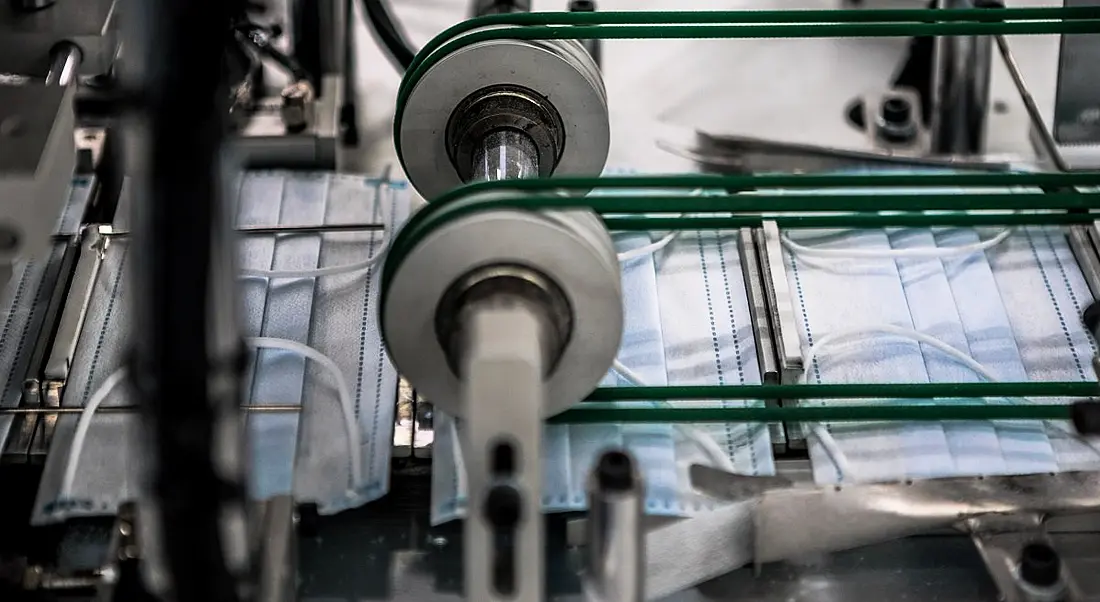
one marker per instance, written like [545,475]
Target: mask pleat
[986,337]
[925,446]
[280,374]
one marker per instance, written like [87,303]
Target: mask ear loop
[839,338]
[118,376]
[329,270]
[914,253]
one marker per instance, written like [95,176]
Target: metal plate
[27,38]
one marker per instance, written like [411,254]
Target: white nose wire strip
[925,252]
[329,270]
[112,381]
[831,446]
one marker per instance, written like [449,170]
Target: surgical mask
[686,322]
[1013,309]
[306,452]
[23,305]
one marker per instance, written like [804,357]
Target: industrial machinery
[799,370]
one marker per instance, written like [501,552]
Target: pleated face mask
[935,306]
[309,304]
[687,322]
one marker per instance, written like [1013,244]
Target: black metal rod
[181,98]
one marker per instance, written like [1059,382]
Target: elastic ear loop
[342,391]
[829,443]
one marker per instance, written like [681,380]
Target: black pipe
[389,34]
[181,98]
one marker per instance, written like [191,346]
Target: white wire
[710,448]
[324,271]
[112,381]
[921,252]
[829,443]
[351,428]
[649,249]
[82,425]
[653,247]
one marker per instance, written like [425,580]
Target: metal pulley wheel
[549,90]
[567,257]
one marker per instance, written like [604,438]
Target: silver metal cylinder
[960,90]
[616,548]
[65,61]
[505,155]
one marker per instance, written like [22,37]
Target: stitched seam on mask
[363,332]
[1054,303]
[101,340]
[1072,295]
[710,310]
[20,291]
[267,289]
[381,355]
[32,316]
[730,447]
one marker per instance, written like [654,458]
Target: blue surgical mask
[303,453]
[1014,308]
[686,322]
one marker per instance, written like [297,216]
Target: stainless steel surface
[37,161]
[1046,139]
[92,248]
[778,294]
[960,90]
[265,143]
[766,353]
[1086,255]
[503,390]
[1077,97]
[742,154]
[277,579]
[1001,553]
[505,109]
[615,570]
[27,39]
[800,521]
[505,155]
[65,61]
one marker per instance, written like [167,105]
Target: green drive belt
[1047,198]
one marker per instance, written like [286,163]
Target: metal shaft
[64,64]
[1046,139]
[616,550]
[505,154]
[960,89]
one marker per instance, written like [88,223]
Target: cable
[387,32]
[342,391]
[112,381]
[649,249]
[653,247]
[922,252]
[324,271]
[829,443]
[82,425]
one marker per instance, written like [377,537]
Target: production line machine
[504,306]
